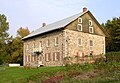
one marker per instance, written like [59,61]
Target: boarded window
[91,43]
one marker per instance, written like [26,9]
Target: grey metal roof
[55,25]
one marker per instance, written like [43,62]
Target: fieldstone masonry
[68,44]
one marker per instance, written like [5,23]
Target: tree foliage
[4,38]
[22,32]
[11,49]
[17,46]
[113,29]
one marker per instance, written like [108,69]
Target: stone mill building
[78,35]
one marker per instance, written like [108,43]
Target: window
[48,43]
[91,43]
[48,57]
[79,27]
[40,46]
[56,41]
[90,22]
[56,56]
[26,58]
[80,42]
[91,29]
[27,47]
[79,20]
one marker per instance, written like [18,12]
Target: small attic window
[79,20]
[79,27]
[91,30]
[90,23]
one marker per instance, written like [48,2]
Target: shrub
[113,56]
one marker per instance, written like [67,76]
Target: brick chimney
[84,9]
[43,24]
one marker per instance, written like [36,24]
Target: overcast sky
[32,13]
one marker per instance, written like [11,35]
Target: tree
[113,29]
[4,37]
[17,46]
[22,32]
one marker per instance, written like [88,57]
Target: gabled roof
[55,25]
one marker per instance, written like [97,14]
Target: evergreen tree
[113,29]
[4,37]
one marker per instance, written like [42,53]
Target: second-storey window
[79,27]
[27,47]
[80,42]
[48,43]
[56,41]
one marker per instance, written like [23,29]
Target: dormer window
[90,22]
[79,27]
[90,29]
[79,20]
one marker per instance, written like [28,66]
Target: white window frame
[78,27]
[80,41]
[90,23]
[48,43]
[27,47]
[91,30]
[47,57]
[56,41]
[79,20]
[56,56]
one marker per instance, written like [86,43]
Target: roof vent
[43,24]
[84,9]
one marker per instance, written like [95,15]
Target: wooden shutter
[58,56]
[53,56]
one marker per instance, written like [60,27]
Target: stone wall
[74,49]
[34,43]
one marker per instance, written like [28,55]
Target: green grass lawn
[76,73]
[12,74]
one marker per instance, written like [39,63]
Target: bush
[113,56]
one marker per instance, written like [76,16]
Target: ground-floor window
[56,56]
[47,57]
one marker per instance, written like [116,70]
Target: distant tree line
[11,49]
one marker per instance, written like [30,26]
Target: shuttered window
[56,56]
